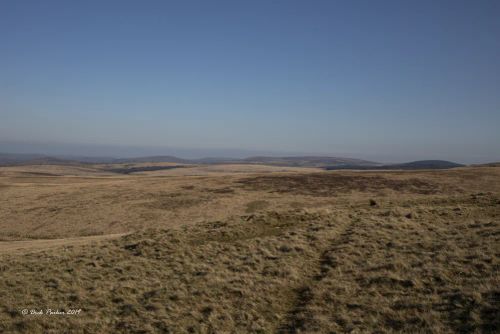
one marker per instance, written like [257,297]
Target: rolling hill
[294,161]
[414,165]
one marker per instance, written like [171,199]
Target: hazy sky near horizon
[405,79]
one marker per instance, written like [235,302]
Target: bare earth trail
[29,246]
[296,317]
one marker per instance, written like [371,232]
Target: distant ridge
[10,159]
[309,161]
[292,161]
[156,158]
[328,163]
[414,165]
[491,164]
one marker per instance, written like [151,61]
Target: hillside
[425,164]
[491,164]
[309,161]
[414,165]
[298,161]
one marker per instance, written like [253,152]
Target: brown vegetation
[240,253]
[331,183]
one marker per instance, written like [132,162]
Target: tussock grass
[418,261]
[330,184]
[284,272]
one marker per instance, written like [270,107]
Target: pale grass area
[30,246]
[228,169]
[253,252]
[44,206]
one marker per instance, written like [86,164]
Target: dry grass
[331,184]
[235,255]
[71,203]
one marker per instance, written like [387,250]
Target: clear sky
[386,80]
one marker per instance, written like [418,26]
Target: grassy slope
[370,269]
[424,258]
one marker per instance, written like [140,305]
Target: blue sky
[385,80]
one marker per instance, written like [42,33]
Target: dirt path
[28,246]
[297,315]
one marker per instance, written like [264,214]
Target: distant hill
[131,170]
[298,161]
[491,164]
[309,161]
[156,158]
[414,165]
[427,164]
[10,159]
[328,163]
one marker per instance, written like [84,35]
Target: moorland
[248,248]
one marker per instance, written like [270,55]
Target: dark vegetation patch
[172,201]
[415,165]
[130,170]
[226,190]
[329,184]
[39,174]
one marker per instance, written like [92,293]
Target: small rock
[372,202]
[285,249]
[131,246]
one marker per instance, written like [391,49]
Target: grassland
[250,249]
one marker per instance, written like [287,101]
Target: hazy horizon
[388,81]
[121,151]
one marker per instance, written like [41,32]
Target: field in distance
[185,248]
